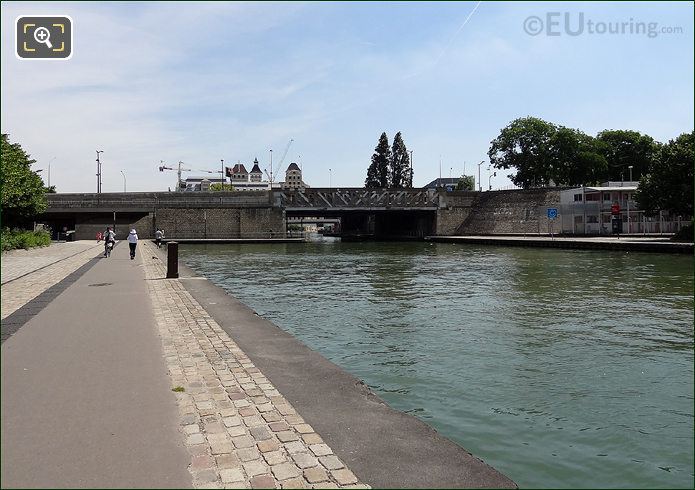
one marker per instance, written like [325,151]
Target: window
[593,197]
[577,197]
[592,219]
[606,196]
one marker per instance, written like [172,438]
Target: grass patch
[178,389]
[12,239]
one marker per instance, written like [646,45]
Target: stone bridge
[363,213]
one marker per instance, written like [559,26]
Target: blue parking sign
[552,213]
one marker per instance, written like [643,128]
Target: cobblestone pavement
[17,293]
[16,263]
[240,431]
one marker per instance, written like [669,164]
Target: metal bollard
[172,260]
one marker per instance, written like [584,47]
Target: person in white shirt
[132,242]
[158,235]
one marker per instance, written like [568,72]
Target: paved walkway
[624,242]
[16,263]
[86,399]
[240,431]
[87,395]
[28,273]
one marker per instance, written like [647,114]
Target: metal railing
[359,198]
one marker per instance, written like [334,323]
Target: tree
[543,153]
[668,183]
[378,171]
[466,183]
[623,148]
[400,175]
[526,145]
[23,195]
[576,160]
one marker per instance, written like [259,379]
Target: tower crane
[179,169]
[284,155]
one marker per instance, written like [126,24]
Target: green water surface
[559,368]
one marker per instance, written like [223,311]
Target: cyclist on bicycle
[109,240]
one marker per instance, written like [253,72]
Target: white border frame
[72,41]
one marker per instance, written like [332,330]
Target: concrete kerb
[384,447]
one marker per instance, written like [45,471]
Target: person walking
[132,242]
[158,235]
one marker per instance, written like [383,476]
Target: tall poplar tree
[378,171]
[400,175]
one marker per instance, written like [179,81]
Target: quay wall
[520,211]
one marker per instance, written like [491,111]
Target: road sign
[615,208]
[552,213]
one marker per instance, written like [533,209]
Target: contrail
[446,48]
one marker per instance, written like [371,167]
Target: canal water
[560,368]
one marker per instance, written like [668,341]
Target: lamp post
[489,180]
[224,179]
[49,171]
[480,183]
[271,169]
[99,172]
[628,201]
[330,174]
[124,181]
[411,168]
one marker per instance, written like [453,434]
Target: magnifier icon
[43,36]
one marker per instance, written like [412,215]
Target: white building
[589,211]
[195,184]
[242,180]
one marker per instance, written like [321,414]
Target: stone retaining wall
[497,212]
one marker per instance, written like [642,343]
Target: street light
[628,201]
[49,171]
[489,180]
[124,181]
[480,182]
[330,174]
[224,179]
[411,168]
[99,172]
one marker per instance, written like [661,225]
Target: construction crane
[180,169]
[284,155]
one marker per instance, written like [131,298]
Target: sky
[200,82]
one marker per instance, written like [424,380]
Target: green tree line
[23,192]
[23,197]
[542,153]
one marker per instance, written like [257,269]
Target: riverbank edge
[382,446]
[569,243]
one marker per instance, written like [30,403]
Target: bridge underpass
[375,224]
[379,214]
